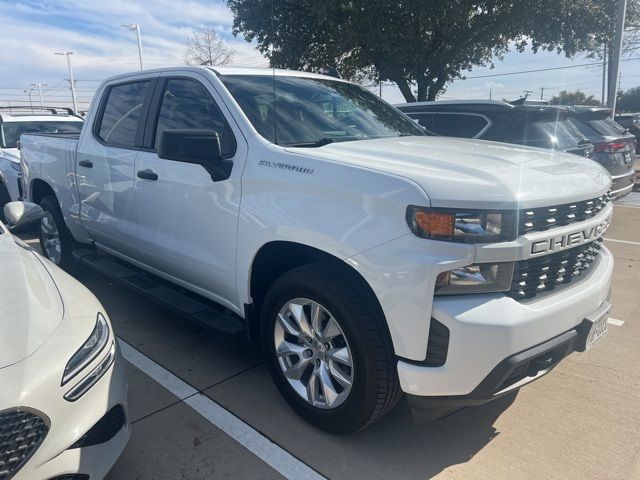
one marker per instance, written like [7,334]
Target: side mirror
[190,146]
[198,146]
[22,213]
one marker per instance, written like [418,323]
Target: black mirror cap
[190,145]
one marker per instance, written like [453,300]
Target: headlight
[15,166]
[478,278]
[467,227]
[89,350]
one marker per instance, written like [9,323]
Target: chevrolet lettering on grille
[569,240]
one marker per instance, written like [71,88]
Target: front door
[187,221]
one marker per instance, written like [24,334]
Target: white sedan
[63,393]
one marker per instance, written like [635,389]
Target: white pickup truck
[368,258]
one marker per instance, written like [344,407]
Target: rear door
[187,221]
[105,165]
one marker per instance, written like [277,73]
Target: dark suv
[614,146]
[534,125]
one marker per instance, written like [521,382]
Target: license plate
[598,329]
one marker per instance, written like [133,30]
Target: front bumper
[487,332]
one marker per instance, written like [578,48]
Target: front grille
[437,345]
[104,430]
[21,433]
[544,218]
[546,273]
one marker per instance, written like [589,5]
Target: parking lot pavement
[580,421]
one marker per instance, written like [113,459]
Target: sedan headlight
[89,350]
[477,278]
[467,227]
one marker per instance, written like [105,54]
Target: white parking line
[615,321]
[621,241]
[273,455]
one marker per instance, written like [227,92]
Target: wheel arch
[39,189]
[277,257]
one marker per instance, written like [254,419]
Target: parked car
[14,121]
[523,124]
[63,395]
[630,121]
[614,146]
[368,258]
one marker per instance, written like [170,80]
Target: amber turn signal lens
[435,224]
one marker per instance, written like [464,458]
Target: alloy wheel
[313,353]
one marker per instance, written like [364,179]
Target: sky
[32,30]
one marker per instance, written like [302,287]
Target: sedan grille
[21,433]
[544,218]
[536,275]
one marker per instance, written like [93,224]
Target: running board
[205,312]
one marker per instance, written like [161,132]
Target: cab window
[186,104]
[121,114]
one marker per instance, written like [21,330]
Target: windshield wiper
[318,143]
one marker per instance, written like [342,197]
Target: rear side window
[121,113]
[10,132]
[452,124]
[186,104]
[552,134]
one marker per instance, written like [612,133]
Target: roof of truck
[221,71]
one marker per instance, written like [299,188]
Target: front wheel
[328,349]
[55,239]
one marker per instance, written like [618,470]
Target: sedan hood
[461,173]
[30,306]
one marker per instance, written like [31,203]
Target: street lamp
[71,80]
[28,92]
[39,87]
[136,27]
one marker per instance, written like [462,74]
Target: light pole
[28,92]
[136,27]
[614,57]
[39,87]
[71,80]
[542,89]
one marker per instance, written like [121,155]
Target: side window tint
[426,120]
[119,122]
[186,104]
[465,126]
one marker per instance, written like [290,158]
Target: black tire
[375,389]
[4,199]
[50,205]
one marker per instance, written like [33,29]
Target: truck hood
[30,306]
[462,173]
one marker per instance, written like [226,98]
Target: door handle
[86,163]
[148,174]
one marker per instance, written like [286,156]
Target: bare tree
[207,48]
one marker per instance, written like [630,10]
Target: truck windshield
[311,112]
[10,131]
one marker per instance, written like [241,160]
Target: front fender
[337,208]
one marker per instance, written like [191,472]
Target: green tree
[415,43]
[573,98]
[629,100]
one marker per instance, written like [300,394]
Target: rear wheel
[55,240]
[328,350]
